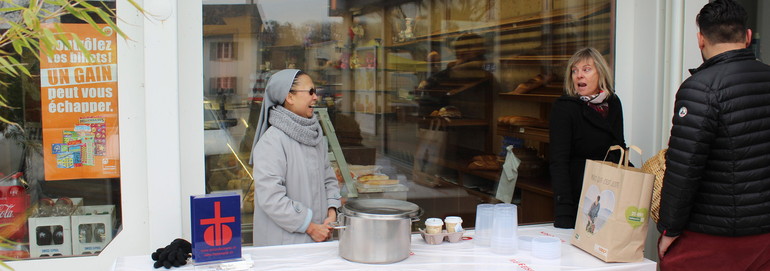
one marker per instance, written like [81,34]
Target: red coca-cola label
[13,207]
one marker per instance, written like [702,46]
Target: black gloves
[175,254]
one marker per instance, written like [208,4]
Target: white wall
[763,23]
[655,46]
[160,128]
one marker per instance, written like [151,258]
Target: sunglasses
[311,91]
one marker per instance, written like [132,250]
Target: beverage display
[43,236]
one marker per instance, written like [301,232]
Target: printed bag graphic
[430,151]
[613,211]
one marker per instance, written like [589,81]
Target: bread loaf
[372,177]
[523,121]
[381,182]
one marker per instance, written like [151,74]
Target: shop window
[59,150]
[414,90]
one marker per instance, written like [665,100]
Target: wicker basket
[656,166]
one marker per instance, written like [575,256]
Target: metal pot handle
[417,217]
[336,224]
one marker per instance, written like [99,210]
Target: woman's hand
[319,232]
[331,216]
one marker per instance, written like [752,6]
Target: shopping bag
[430,152]
[613,210]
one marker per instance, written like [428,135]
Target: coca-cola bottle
[14,202]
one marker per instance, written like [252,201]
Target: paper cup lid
[433,222]
[453,219]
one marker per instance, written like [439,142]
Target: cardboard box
[92,228]
[51,235]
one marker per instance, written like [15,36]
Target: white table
[463,255]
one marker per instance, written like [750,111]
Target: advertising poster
[79,95]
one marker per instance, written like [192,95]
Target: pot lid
[381,208]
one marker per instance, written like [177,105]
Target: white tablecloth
[463,255]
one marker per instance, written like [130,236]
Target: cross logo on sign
[219,233]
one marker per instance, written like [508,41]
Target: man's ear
[748,38]
[701,41]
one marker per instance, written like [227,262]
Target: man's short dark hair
[723,21]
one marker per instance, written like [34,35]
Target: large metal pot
[376,230]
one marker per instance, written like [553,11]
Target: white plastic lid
[453,219]
[433,222]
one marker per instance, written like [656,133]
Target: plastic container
[453,224]
[485,213]
[525,242]
[504,238]
[546,247]
[433,225]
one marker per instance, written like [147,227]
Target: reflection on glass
[420,93]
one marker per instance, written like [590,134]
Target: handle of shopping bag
[624,157]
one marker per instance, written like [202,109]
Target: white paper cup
[453,224]
[433,225]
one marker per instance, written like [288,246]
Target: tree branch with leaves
[32,26]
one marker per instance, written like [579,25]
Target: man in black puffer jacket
[715,205]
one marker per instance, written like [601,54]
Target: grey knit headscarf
[275,94]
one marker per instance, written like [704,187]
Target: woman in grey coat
[295,189]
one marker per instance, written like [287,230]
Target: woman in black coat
[585,122]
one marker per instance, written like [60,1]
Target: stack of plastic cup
[504,226]
[525,242]
[485,213]
[546,247]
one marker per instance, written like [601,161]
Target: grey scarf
[304,130]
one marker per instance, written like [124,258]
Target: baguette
[372,177]
[380,182]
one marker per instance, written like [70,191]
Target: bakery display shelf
[514,24]
[555,51]
[524,132]
[540,186]
[379,113]
[547,94]
[364,90]
[453,87]
[535,59]
[462,167]
[455,122]
[487,198]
